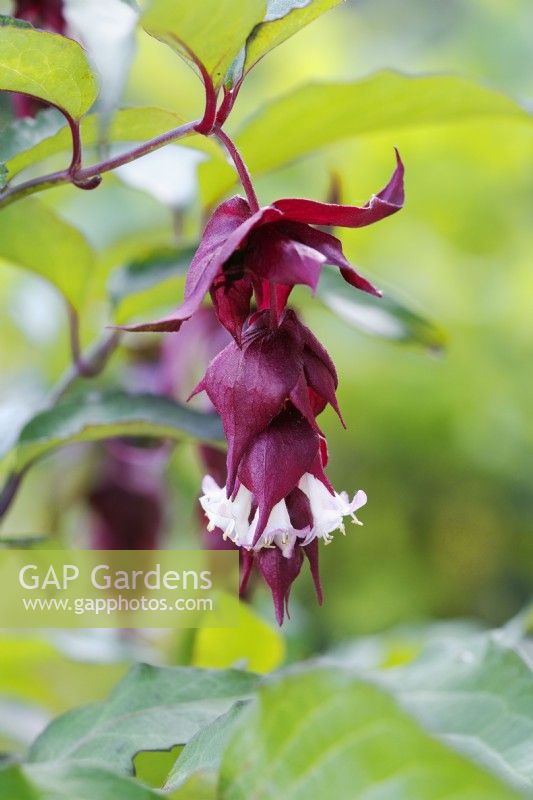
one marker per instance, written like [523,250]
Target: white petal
[278,531]
[231,516]
[328,510]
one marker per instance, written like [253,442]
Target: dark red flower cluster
[270,383]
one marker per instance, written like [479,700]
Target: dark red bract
[270,251]
[250,384]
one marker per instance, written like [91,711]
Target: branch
[89,177]
[240,166]
[93,364]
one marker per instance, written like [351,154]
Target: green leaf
[33,670]
[328,734]
[3,174]
[55,250]
[476,694]
[13,22]
[283,19]
[23,134]
[211,32]
[203,753]
[93,417]
[147,282]
[153,708]
[48,66]
[385,317]
[318,114]
[66,782]
[128,125]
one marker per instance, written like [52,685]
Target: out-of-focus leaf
[253,644]
[33,670]
[139,286]
[3,175]
[203,753]
[22,134]
[34,237]
[476,694]
[48,66]
[380,316]
[153,708]
[67,781]
[318,114]
[21,722]
[208,31]
[128,125]
[326,733]
[283,19]
[94,417]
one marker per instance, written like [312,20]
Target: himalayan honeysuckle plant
[273,378]
[179,369]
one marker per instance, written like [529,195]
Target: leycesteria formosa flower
[271,382]
[128,500]
[270,251]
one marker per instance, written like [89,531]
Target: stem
[241,168]
[82,367]
[9,492]
[94,362]
[74,331]
[205,126]
[228,101]
[85,176]
[75,164]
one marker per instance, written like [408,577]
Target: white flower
[328,509]
[233,516]
[278,531]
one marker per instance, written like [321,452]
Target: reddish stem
[240,166]
[85,175]
[230,96]
[75,164]
[208,120]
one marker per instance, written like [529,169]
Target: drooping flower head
[272,381]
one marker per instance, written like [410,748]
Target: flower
[128,500]
[310,512]
[282,505]
[232,516]
[271,250]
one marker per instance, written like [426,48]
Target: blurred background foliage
[441,441]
